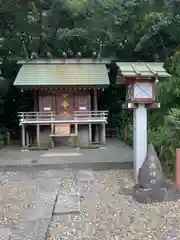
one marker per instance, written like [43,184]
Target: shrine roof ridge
[66,61]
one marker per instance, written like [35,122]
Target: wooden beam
[131,105]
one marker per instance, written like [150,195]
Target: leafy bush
[166,138]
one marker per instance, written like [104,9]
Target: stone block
[150,195]
[67,204]
[30,229]
[150,174]
[41,206]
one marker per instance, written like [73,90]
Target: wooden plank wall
[52,101]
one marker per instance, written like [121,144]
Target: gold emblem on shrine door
[65,103]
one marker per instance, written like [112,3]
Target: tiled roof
[62,75]
[142,69]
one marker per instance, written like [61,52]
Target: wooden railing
[51,117]
[90,114]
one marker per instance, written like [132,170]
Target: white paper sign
[143,90]
[47,108]
[83,108]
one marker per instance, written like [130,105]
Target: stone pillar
[139,137]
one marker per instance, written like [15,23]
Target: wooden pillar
[89,102]
[8,138]
[95,108]
[27,138]
[95,100]
[23,136]
[76,133]
[38,135]
[90,134]
[103,134]
[35,100]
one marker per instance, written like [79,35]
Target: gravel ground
[108,215]
[17,191]
[14,198]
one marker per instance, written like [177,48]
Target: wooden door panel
[83,102]
[45,102]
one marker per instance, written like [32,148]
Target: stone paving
[116,153]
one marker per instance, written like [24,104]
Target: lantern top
[142,69]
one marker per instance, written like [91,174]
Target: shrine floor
[116,154]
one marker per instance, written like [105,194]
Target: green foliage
[164,124]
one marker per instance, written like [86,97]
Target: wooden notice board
[62,129]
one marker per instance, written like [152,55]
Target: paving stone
[49,174]
[38,210]
[35,219]
[30,229]
[85,176]
[54,174]
[48,185]
[84,188]
[4,233]
[69,203]
[41,206]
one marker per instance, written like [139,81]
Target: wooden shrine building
[65,105]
